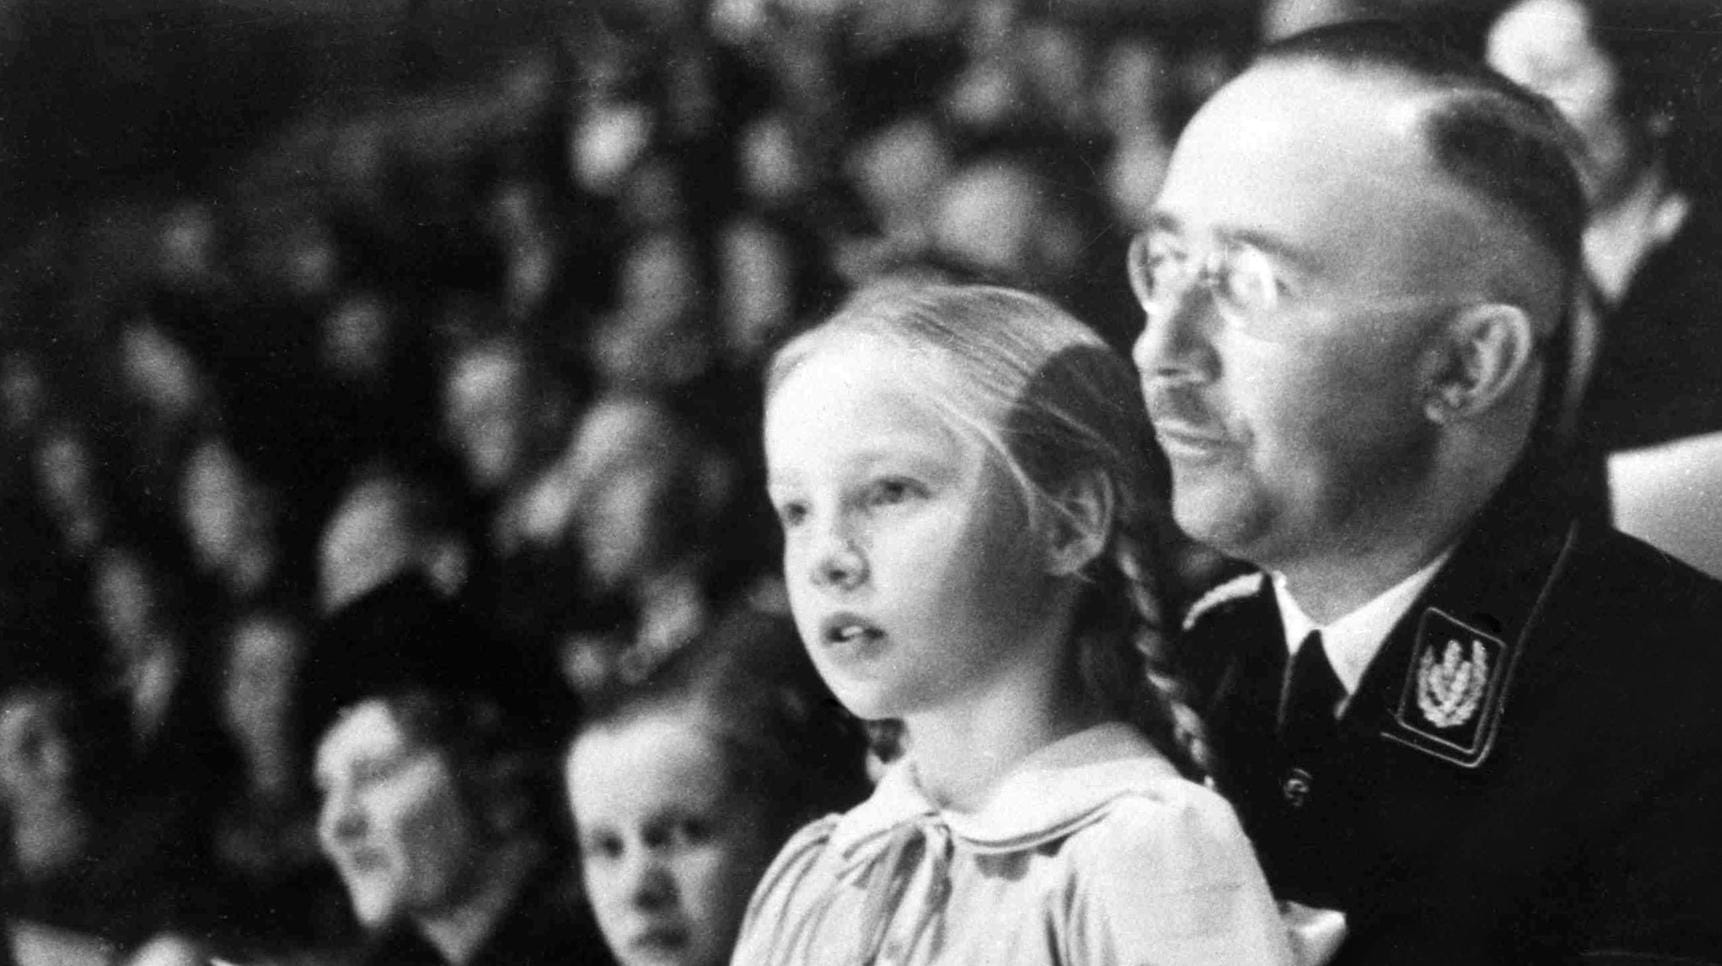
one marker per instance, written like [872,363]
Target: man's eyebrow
[1281,248]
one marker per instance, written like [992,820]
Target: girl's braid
[1167,698]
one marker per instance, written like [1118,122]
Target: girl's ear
[1079,533]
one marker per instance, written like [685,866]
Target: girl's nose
[838,563]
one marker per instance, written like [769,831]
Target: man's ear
[1079,532]
[1477,359]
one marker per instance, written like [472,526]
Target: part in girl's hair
[1059,409]
[748,684]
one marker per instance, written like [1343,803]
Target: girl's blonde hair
[1057,407]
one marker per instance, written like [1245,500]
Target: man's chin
[1212,513]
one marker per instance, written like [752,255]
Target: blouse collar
[1048,795]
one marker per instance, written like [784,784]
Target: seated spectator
[84,874]
[436,765]
[231,519]
[265,834]
[387,522]
[684,787]
[640,494]
[66,479]
[1634,79]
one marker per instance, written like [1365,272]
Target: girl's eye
[604,847]
[891,491]
[687,832]
[791,513]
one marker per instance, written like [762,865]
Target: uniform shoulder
[1224,596]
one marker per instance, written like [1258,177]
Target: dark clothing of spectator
[1659,368]
[547,925]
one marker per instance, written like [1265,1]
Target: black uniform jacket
[1530,770]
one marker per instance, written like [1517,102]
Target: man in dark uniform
[1448,711]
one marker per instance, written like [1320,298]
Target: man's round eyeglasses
[1240,278]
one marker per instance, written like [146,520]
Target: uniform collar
[1486,601]
[1048,795]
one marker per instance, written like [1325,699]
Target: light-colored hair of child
[1054,404]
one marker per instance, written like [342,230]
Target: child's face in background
[914,577]
[670,850]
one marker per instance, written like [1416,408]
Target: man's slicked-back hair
[1491,136]
[1507,145]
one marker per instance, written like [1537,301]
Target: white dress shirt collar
[1353,640]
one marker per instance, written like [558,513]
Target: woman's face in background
[670,849]
[393,821]
[1547,46]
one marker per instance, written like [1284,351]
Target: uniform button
[1296,787]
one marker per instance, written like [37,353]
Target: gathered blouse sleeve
[1169,880]
[778,910]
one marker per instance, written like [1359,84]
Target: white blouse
[1092,850]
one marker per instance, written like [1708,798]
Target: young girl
[963,481]
[684,786]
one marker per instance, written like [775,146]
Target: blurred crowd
[508,336]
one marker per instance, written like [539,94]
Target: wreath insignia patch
[1453,691]
[1449,690]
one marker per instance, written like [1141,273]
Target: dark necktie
[1313,691]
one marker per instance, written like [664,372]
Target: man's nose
[1176,343]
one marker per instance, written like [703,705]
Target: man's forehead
[1312,119]
[1334,163]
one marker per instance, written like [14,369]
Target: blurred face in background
[670,850]
[656,338]
[622,467]
[36,757]
[756,287]
[225,512]
[65,471]
[188,244]
[392,820]
[126,603]
[357,338]
[263,660]
[21,393]
[1547,46]
[484,406]
[159,371]
[367,541]
[899,170]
